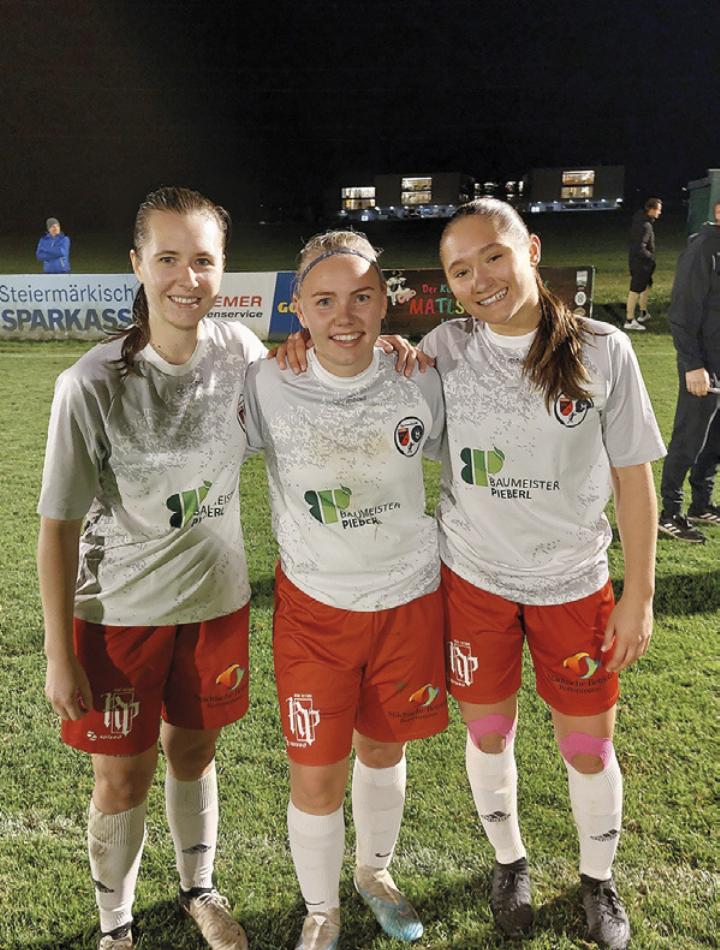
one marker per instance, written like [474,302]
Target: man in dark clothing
[641,261]
[54,249]
[695,443]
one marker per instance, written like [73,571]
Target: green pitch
[666,744]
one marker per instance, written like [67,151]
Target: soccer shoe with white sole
[643,316]
[633,325]
[510,898]
[211,912]
[320,931]
[392,910]
[607,921]
[710,514]
[119,939]
[679,527]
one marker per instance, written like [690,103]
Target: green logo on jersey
[186,504]
[479,464]
[324,505]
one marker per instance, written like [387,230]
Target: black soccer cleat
[510,898]
[608,924]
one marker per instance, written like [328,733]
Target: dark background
[270,106]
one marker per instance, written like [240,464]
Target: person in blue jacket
[54,249]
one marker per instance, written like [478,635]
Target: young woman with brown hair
[140,490]
[546,415]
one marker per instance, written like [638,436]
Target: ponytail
[554,362]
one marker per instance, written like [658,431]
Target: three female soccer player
[358,642]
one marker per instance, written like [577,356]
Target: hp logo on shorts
[121,708]
[462,663]
[303,718]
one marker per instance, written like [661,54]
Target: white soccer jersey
[345,474]
[153,461]
[523,490]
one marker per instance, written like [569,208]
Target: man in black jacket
[641,261]
[695,443]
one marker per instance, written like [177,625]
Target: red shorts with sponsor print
[382,673]
[194,675]
[485,635]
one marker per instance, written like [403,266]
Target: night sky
[278,104]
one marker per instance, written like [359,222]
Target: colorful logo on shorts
[478,464]
[425,696]
[408,435]
[582,665]
[186,504]
[571,412]
[324,505]
[231,678]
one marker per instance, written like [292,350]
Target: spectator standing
[695,443]
[641,262]
[54,249]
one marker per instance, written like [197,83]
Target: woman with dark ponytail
[142,569]
[546,415]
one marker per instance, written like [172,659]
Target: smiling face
[492,273]
[342,303]
[180,265]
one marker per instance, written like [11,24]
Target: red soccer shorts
[485,636]
[194,675]
[337,670]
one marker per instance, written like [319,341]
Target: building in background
[399,197]
[593,188]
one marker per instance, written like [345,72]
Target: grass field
[666,739]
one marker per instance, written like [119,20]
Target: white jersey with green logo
[153,461]
[523,490]
[344,461]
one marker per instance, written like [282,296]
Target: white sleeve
[252,414]
[630,432]
[77,449]
[431,388]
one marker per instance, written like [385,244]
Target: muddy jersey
[523,489]
[344,461]
[153,461]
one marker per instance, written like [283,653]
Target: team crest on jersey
[408,435]
[571,412]
[303,719]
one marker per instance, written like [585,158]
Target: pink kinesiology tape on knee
[497,723]
[580,743]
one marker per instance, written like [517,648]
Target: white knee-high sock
[115,844]
[597,809]
[493,780]
[378,800]
[192,812]
[317,845]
